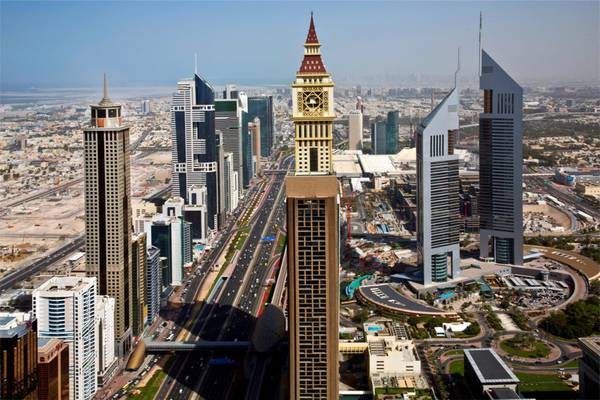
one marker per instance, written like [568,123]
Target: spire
[312,62]
[312,33]
[105,99]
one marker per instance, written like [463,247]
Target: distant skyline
[70,44]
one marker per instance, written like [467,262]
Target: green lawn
[571,364]
[541,383]
[457,367]
[149,391]
[539,350]
[454,352]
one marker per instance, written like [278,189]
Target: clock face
[313,100]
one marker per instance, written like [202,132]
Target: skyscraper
[391,132]
[438,224]
[261,107]
[194,152]
[313,234]
[500,164]
[65,308]
[379,137]
[229,119]
[250,151]
[355,128]
[18,356]
[108,222]
[138,279]
[153,283]
[230,183]
[256,145]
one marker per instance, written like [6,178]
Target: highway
[232,315]
[35,266]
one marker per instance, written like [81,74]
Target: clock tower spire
[313,112]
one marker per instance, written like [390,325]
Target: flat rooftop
[592,343]
[489,367]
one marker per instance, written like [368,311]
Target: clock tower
[313,115]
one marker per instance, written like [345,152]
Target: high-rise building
[379,137]
[313,234]
[229,119]
[108,222]
[53,369]
[145,107]
[106,361]
[261,107]
[589,368]
[230,183]
[500,164]
[355,130]
[438,212]
[250,151]
[172,235]
[18,356]
[194,212]
[194,153]
[138,280]
[153,283]
[230,92]
[391,132]
[256,146]
[65,308]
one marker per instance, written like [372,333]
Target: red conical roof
[312,33]
[312,63]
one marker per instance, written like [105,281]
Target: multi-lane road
[232,313]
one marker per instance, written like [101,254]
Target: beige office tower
[255,129]
[313,235]
[108,225]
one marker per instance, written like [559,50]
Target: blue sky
[69,44]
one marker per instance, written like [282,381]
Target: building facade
[256,146]
[194,148]
[438,208]
[153,283]
[378,137]
[391,132]
[138,287]
[106,360]
[18,356]
[53,369]
[313,234]
[589,368]
[229,117]
[108,222]
[261,107]
[355,130]
[65,308]
[500,165]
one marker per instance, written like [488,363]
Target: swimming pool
[199,247]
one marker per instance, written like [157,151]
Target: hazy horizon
[152,44]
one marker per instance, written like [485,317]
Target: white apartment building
[106,360]
[65,308]
[355,130]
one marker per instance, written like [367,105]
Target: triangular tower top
[312,33]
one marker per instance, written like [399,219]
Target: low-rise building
[485,370]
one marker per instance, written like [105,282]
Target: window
[112,113]
[101,113]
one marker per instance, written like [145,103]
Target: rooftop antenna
[457,68]
[196,63]
[105,99]
[480,29]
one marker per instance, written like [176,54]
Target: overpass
[202,345]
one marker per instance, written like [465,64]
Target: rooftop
[591,343]
[489,367]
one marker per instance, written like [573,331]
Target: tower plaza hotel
[313,233]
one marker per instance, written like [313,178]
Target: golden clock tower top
[313,113]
